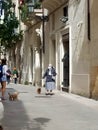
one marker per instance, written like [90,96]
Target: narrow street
[61,111]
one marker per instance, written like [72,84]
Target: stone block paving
[61,111]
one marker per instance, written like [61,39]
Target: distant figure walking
[50,74]
[15,75]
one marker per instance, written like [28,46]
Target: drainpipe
[43,29]
[89,32]
[88,19]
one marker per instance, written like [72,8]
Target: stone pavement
[61,111]
[1,112]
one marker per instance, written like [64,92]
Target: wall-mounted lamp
[30,7]
[64,19]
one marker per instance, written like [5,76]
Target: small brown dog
[39,90]
[13,96]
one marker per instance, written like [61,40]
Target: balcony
[28,12]
[53,4]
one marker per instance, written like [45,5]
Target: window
[65,11]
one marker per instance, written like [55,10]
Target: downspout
[89,34]
[88,20]
[43,29]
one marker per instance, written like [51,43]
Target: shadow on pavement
[43,96]
[17,117]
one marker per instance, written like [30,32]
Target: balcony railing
[28,11]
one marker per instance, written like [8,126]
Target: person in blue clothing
[3,79]
[50,74]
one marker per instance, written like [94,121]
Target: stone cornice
[51,5]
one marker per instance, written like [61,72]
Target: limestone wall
[80,55]
[94,49]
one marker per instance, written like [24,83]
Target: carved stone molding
[53,4]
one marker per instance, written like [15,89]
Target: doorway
[65,61]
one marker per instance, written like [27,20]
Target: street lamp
[44,18]
[30,7]
[38,15]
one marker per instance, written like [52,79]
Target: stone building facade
[70,44]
